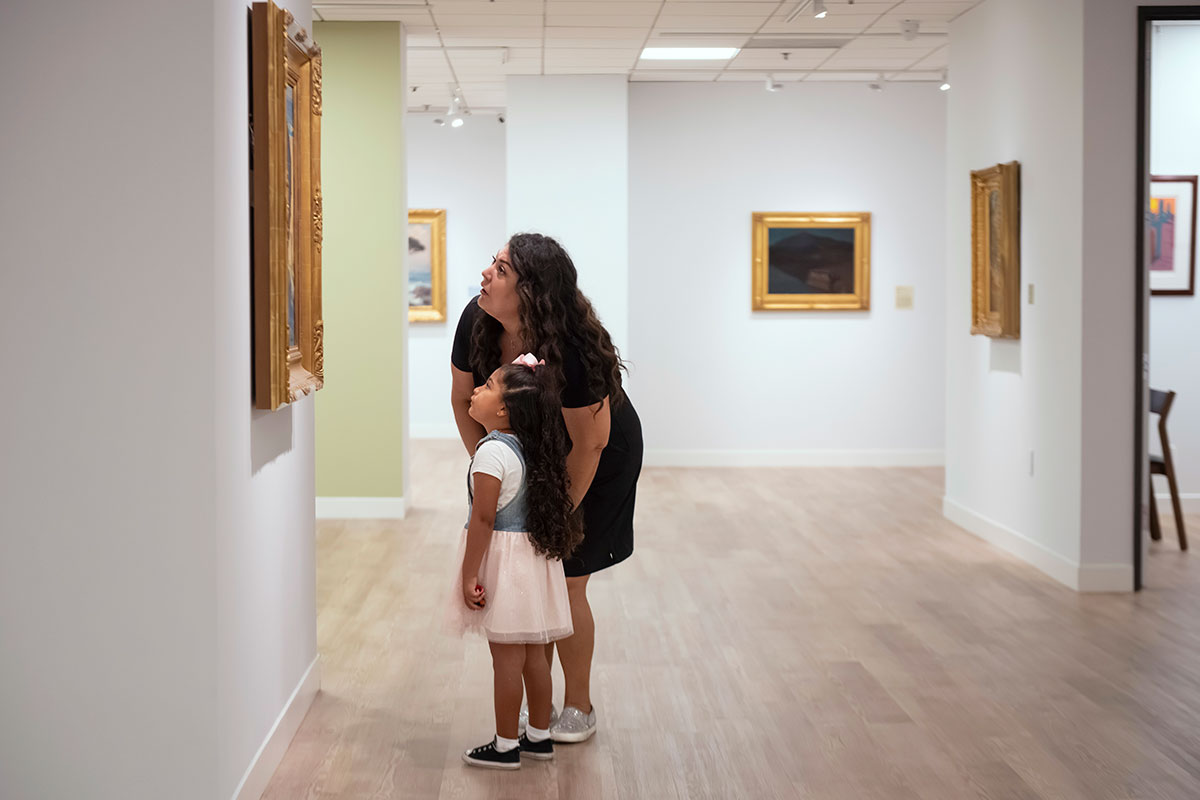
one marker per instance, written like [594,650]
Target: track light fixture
[945,87]
[456,114]
[819,9]
[772,84]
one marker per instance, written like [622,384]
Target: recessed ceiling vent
[795,44]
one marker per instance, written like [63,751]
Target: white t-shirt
[497,459]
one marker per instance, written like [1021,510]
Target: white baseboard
[267,759]
[1189,500]
[360,508]
[794,458]
[1080,577]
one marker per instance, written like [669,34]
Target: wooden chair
[1160,403]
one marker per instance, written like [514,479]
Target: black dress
[608,506]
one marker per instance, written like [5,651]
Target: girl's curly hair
[535,416]
[554,315]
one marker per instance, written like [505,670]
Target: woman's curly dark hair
[535,416]
[554,315]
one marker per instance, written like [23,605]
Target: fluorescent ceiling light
[689,53]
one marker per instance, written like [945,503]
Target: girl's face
[487,404]
[498,289]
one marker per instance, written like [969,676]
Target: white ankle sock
[504,745]
[536,734]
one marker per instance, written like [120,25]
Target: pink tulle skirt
[526,594]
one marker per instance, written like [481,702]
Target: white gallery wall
[1040,432]
[1175,320]
[460,170]
[717,383]
[265,538]
[156,561]
[107,482]
[1013,436]
[840,388]
[568,176]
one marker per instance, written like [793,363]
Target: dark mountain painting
[810,261]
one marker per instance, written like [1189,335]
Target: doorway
[1168,308]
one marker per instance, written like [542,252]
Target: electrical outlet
[904,297]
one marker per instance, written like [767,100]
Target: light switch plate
[1031,294]
[904,297]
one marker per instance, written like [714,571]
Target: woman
[530,302]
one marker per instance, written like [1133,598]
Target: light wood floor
[796,633]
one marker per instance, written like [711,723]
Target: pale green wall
[359,412]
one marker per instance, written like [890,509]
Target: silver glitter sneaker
[523,720]
[573,725]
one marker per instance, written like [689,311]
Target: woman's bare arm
[589,428]
[461,388]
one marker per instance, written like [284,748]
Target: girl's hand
[473,594]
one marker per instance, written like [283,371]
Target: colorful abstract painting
[1171,235]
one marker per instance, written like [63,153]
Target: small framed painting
[427,265]
[1171,234]
[811,261]
[996,251]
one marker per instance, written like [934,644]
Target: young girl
[520,528]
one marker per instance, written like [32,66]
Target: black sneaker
[542,751]
[489,757]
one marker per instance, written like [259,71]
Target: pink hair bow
[529,360]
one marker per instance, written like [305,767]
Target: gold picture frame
[996,251]
[427,265]
[285,108]
[826,266]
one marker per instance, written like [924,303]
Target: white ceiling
[475,44]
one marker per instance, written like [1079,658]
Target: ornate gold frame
[858,300]
[996,251]
[436,219]
[282,55]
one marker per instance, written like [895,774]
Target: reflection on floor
[803,633]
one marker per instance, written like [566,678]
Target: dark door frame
[1147,16]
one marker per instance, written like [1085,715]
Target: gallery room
[600,399]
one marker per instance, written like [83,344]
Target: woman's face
[487,403]
[498,289]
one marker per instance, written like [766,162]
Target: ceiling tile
[606,36]
[703,8]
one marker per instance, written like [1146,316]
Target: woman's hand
[473,594]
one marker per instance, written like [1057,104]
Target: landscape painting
[427,265]
[811,261]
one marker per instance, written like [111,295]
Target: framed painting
[427,265]
[1171,234]
[811,261]
[996,251]
[285,162]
